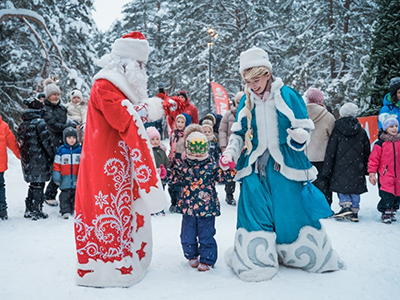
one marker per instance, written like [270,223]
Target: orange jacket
[7,139]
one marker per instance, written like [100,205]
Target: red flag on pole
[221,98]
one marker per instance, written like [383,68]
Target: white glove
[299,135]
[174,106]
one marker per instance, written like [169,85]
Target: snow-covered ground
[37,259]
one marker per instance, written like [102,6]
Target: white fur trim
[119,81]
[131,48]
[289,142]
[155,200]
[312,251]
[253,257]
[107,274]
[155,108]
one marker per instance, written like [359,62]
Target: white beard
[130,69]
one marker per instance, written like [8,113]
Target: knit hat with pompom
[50,88]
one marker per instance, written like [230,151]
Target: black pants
[230,189]
[35,191]
[174,192]
[51,190]
[388,202]
[322,183]
[67,201]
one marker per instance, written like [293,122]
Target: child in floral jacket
[198,201]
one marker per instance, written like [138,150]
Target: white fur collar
[120,82]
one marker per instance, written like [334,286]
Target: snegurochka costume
[279,209]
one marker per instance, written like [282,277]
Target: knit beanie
[133,45]
[394,85]
[69,131]
[75,93]
[208,123]
[50,88]
[254,57]
[389,122]
[314,96]
[184,94]
[348,110]
[196,142]
[238,96]
[153,132]
[211,118]
[180,116]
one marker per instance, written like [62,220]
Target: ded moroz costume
[118,186]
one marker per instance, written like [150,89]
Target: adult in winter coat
[118,186]
[346,161]
[55,115]
[37,154]
[324,123]
[385,160]
[7,140]
[225,132]
[277,207]
[391,103]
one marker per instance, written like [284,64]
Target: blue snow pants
[197,238]
[274,203]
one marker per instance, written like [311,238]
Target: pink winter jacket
[224,131]
[385,159]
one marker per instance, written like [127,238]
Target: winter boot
[51,202]
[353,217]
[230,200]
[3,214]
[37,210]
[28,208]
[43,215]
[172,208]
[387,216]
[3,211]
[393,217]
[194,262]
[203,267]
[343,212]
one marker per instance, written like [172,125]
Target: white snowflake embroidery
[101,199]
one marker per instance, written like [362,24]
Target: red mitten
[163,172]
[226,162]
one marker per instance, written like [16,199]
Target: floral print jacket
[199,197]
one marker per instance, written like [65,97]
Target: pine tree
[384,57]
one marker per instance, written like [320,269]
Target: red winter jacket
[7,140]
[385,159]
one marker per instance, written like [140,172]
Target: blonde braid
[247,111]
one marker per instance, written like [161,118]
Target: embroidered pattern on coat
[109,237]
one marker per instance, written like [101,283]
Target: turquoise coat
[284,108]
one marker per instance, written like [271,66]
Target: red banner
[370,124]
[221,98]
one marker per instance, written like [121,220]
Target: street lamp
[212,34]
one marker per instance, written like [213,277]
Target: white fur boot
[253,257]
